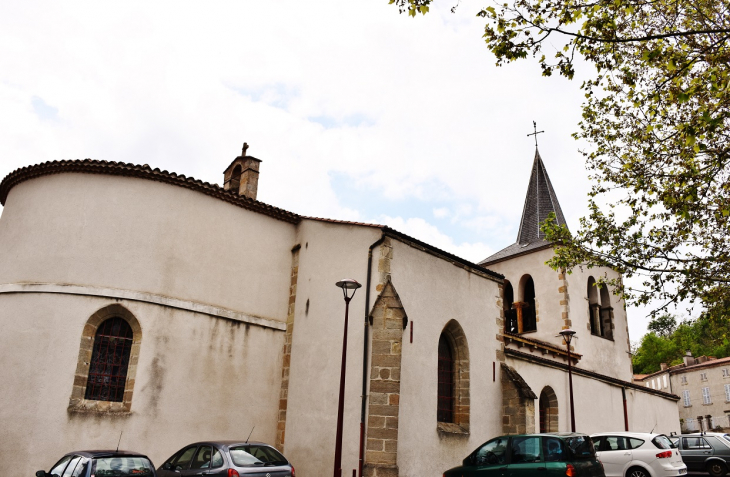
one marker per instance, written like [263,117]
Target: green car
[554,454]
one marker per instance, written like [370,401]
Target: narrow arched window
[527,310]
[235,183]
[510,315]
[445,409]
[109,361]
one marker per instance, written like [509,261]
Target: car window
[525,449]
[615,443]
[492,453]
[60,465]
[81,467]
[581,447]
[122,467]
[71,466]
[217,460]
[248,455]
[553,449]
[675,441]
[635,443]
[202,458]
[597,441]
[184,458]
[662,442]
[695,443]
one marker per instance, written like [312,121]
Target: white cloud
[441,212]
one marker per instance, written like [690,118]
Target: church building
[149,308]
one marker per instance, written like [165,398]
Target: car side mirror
[167,466]
[41,473]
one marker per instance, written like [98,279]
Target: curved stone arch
[77,401]
[548,410]
[455,336]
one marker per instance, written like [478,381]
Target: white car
[638,454]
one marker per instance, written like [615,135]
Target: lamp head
[348,284]
[567,335]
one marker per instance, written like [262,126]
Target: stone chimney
[688,359]
[701,359]
[664,366]
[242,176]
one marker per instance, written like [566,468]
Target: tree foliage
[656,117]
[706,336]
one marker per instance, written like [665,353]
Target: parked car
[638,454]
[227,459]
[558,454]
[101,464]
[706,452]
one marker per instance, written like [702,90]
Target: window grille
[109,361]
[706,396]
[727,392]
[703,376]
[445,410]
[687,401]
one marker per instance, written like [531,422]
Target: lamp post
[346,284]
[567,335]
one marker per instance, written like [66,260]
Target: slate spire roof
[540,201]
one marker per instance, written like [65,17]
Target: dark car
[102,463]
[708,452]
[227,459]
[556,454]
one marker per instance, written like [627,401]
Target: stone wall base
[380,470]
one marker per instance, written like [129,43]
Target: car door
[526,457]
[489,460]
[208,461]
[615,455]
[695,450]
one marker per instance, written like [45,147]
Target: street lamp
[567,335]
[346,284]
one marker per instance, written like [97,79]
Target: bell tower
[242,175]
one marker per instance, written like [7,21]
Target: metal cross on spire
[243,150]
[534,125]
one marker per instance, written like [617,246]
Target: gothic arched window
[446,381]
[109,361]
[453,407]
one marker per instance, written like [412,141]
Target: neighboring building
[145,304]
[703,384]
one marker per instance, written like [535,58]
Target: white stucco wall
[329,252]
[136,234]
[195,380]
[175,258]
[433,292]
[598,405]
[601,355]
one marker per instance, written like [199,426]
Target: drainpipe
[626,412]
[365,373]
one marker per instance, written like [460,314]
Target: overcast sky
[356,111]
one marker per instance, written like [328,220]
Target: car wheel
[716,469]
[637,472]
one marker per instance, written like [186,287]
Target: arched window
[606,313]
[235,183]
[510,315]
[453,379]
[446,381]
[548,410]
[526,310]
[594,308]
[109,361]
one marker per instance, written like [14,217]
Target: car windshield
[581,447]
[662,442]
[122,467]
[252,455]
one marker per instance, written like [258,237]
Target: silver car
[227,459]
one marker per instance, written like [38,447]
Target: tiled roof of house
[540,201]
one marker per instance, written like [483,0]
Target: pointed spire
[539,202]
